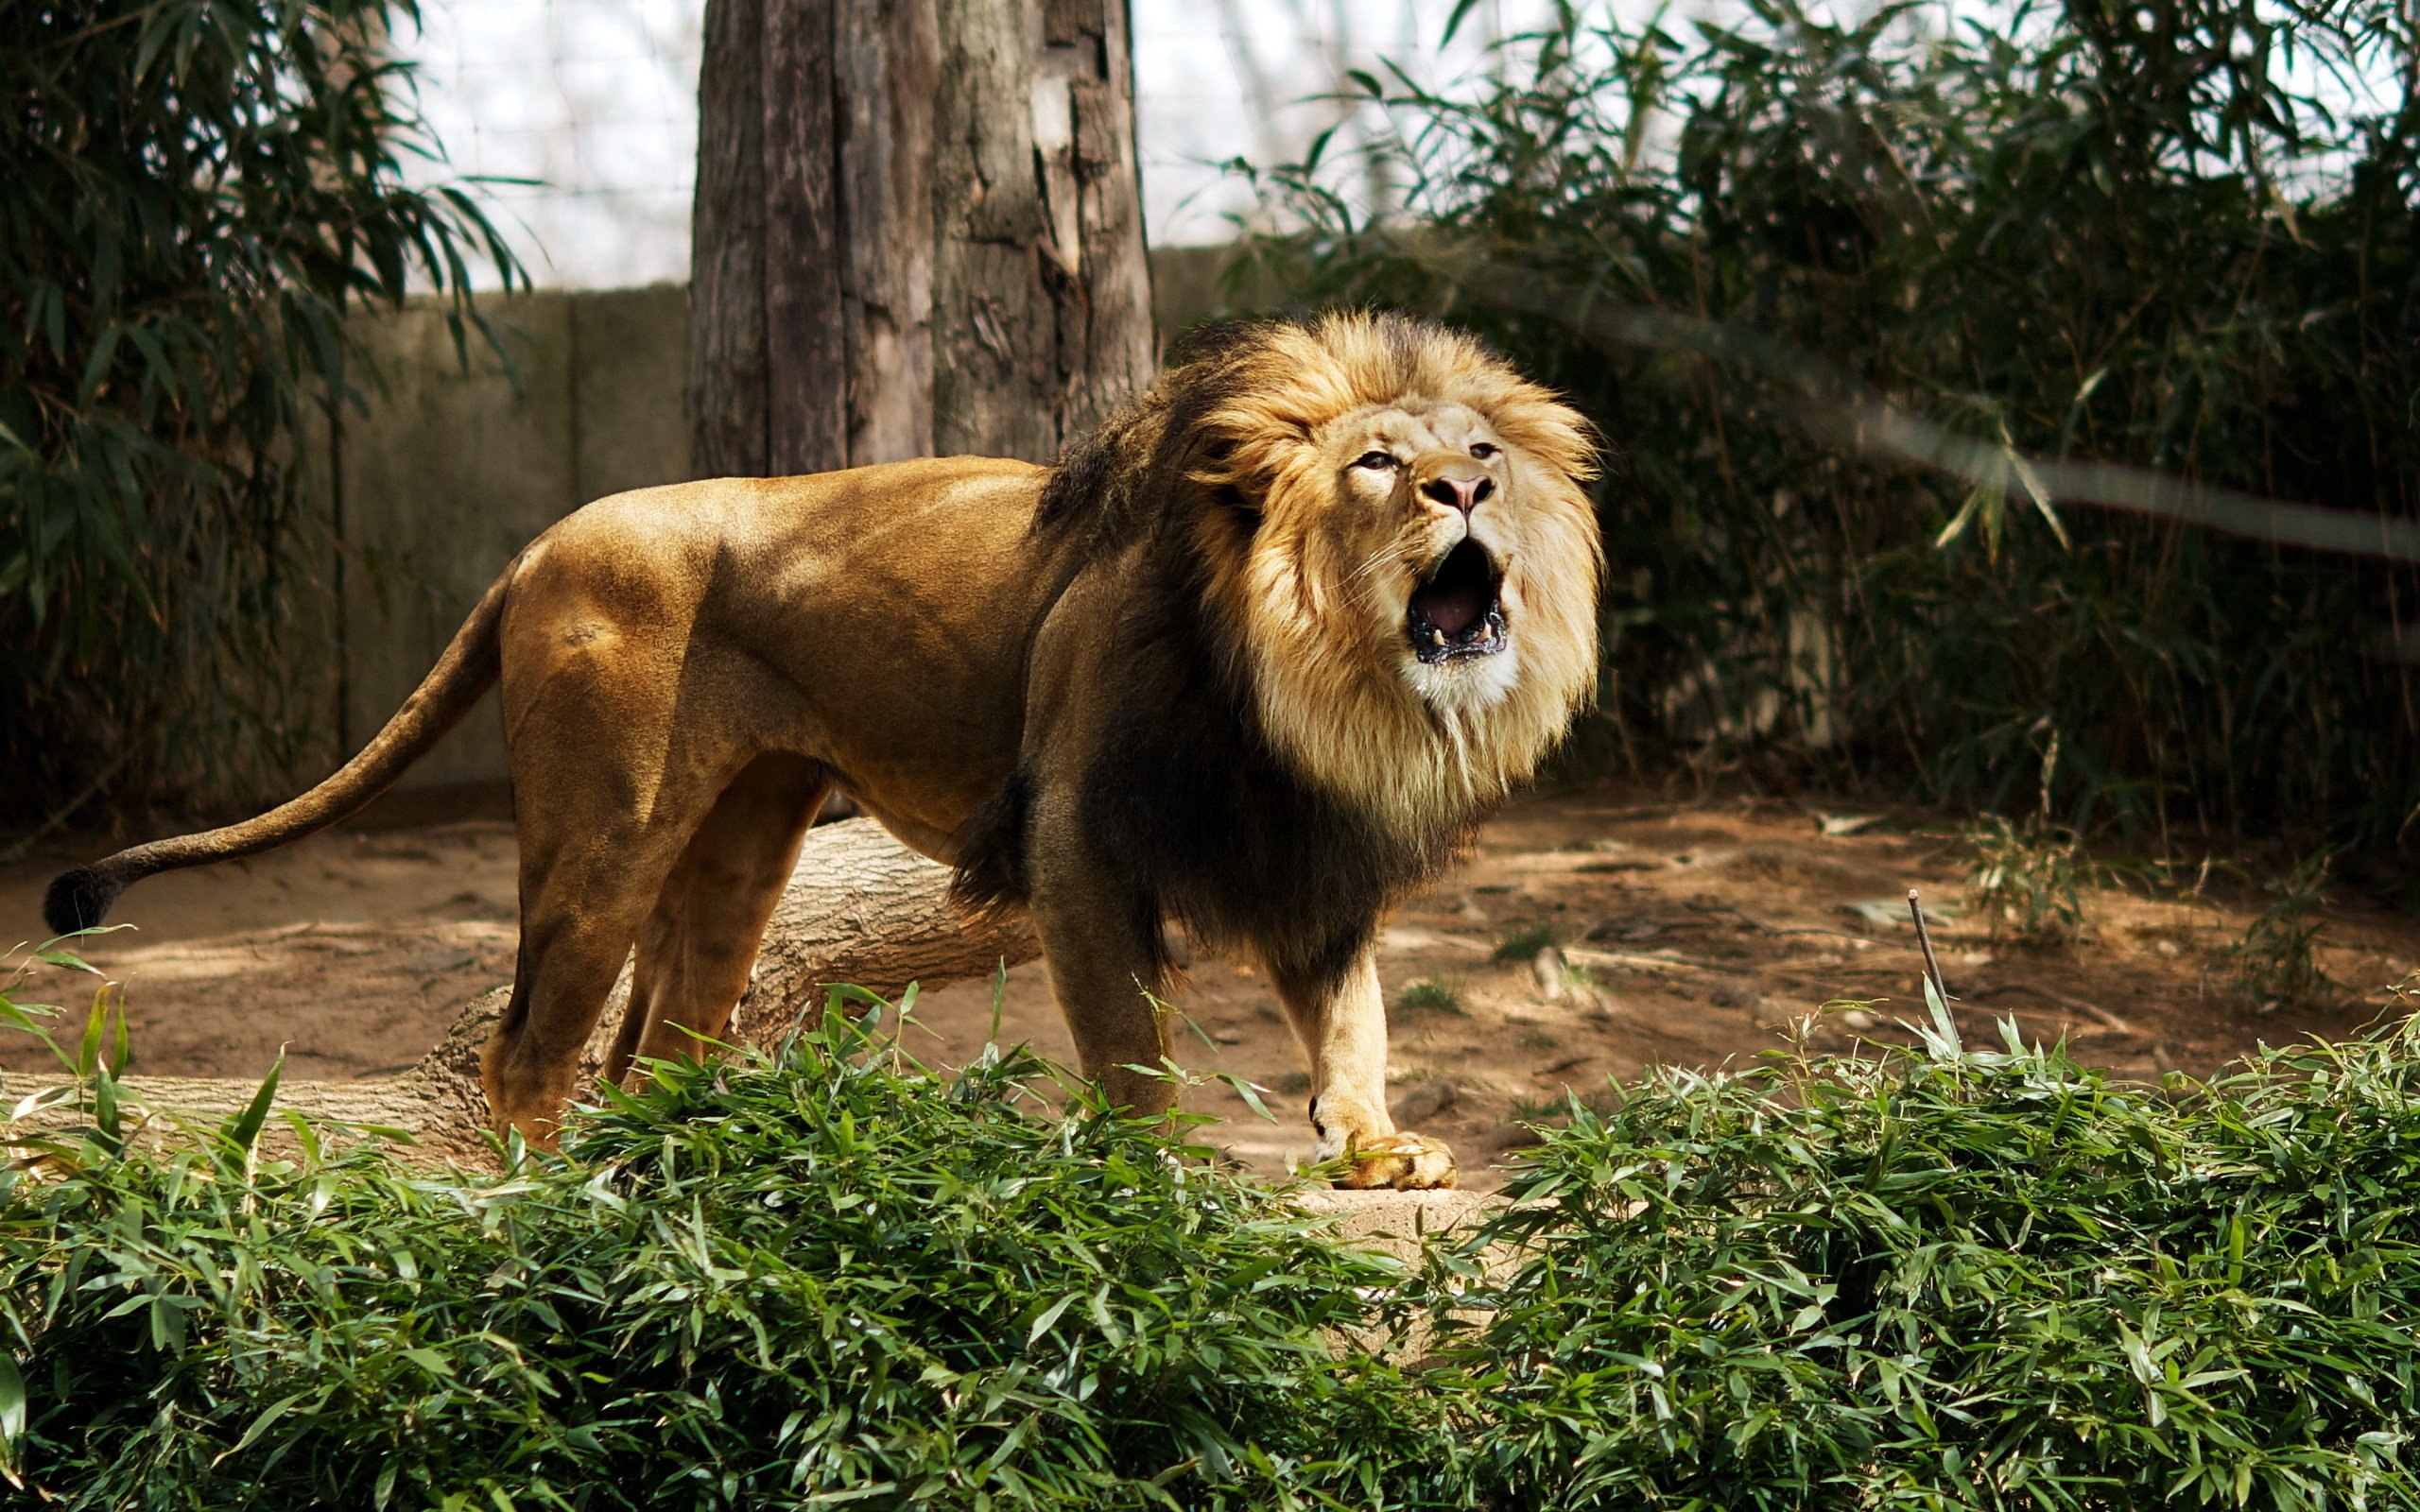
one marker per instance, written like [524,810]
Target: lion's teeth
[1436,636]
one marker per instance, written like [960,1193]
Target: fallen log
[860,908]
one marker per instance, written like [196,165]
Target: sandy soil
[1702,934]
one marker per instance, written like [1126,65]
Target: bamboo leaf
[243,1130]
[12,1407]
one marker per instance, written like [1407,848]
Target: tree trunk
[918,228]
[860,908]
[727,250]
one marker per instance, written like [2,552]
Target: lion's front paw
[1408,1162]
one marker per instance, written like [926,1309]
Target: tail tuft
[78,900]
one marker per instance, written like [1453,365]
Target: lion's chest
[1225,836]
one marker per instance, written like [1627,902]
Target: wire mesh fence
[583,116]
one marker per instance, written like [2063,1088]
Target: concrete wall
[456,469]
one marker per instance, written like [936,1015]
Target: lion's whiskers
[1391,552]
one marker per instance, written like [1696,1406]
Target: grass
[817,1277]
[1536,1110]
[1431,995]
[2028,880]
[2276,962]
[1523,944]
[1941,1278]
[1954,1278]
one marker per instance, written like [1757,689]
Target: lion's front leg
[1343,1025]
[1099,940]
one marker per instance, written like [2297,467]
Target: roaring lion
[1254,657]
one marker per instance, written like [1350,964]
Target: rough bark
[727,250]
[888,63]
[918,230]
[1110,300]
[1042,297]
[997,345]
[860,908]
[805,346]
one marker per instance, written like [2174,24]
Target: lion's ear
[1236,497]
[1221,484]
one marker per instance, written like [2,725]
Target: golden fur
[1256,658]
[1323,588]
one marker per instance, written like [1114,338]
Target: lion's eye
[1482,450]
[1376,461]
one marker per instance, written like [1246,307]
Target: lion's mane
[1270,772]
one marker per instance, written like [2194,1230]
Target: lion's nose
[1457,483]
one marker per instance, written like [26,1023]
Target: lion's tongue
[1452,607]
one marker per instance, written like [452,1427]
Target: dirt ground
[1694,935]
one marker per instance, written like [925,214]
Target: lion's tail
[81,898]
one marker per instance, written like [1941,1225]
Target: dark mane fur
[1187,798]
[1203,817]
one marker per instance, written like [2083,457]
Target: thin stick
[1924,937]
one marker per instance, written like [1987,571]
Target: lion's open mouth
[1457,611]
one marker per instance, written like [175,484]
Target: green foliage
[2093,232]
[1938,1279]
[1524,943]
[1532,1112]
[2276,964]
[1950,1279]
[823,1276]
[2028,880]
[195,191]
[1432,995]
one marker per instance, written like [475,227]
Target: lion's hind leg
[698,944]
[616,761]
[588,877]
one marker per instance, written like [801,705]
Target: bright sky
[596,101]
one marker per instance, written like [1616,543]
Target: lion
[1254,659]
